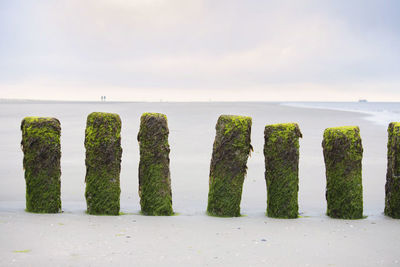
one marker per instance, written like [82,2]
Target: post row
[342,151]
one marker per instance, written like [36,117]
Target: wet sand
[74,238]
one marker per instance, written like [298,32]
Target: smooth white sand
[74,238]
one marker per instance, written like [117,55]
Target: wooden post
[343,155]
[392,187]
[281,151]
[42,153]
[154,175]
[103,163]
[228,165]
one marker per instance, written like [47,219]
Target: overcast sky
[200,50]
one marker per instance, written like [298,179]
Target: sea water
[192,133]
[381,113]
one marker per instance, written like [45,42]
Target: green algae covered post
[392,187]
[154,175]
[281,151]
[343,155]
[228,165]
[103,163]
[42,153]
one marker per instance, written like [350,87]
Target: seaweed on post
[154,175]
[103,163]
[228,165]
[343,152]
[392,187]
[42,152]
[281,151]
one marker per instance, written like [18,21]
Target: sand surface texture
[74,238]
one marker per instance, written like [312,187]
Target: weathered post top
[102,124]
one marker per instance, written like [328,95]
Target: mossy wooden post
[281,151]
[228,165]
[154,176]
[392,187]
[103,163]
[343,155]
[42,153]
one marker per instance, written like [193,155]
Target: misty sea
[192,132]
[381,113]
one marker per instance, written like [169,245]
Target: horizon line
[187,101]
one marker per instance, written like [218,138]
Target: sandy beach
[73,238]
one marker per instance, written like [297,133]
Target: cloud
[203,48]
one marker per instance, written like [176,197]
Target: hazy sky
[200,50]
